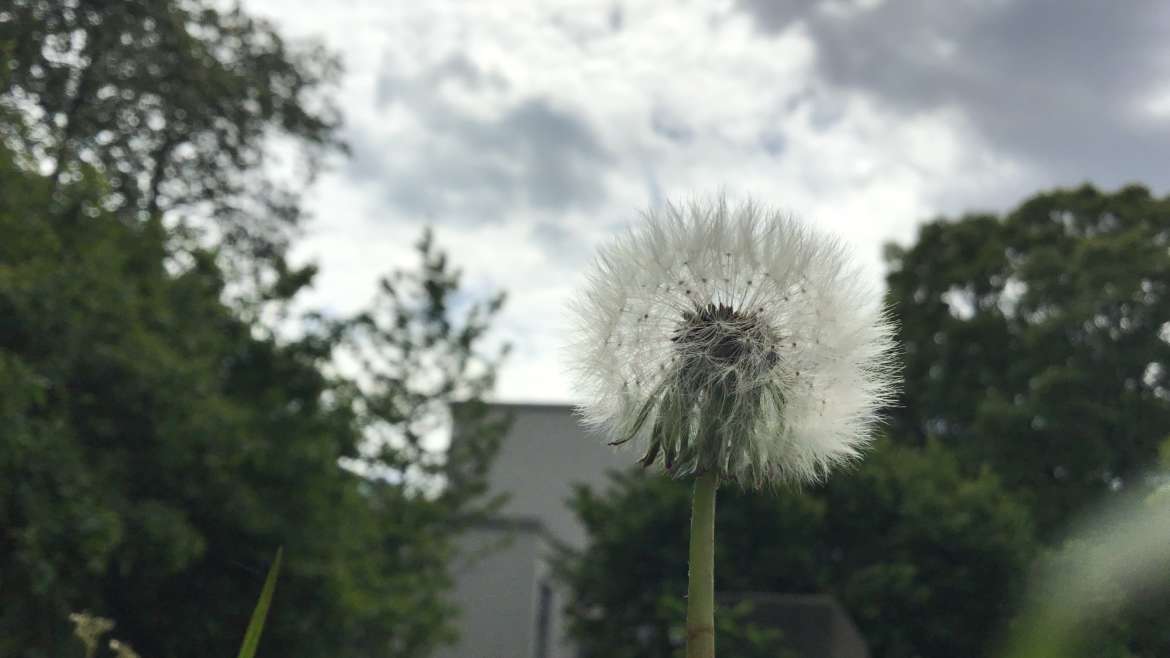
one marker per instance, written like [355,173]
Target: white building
[511,607]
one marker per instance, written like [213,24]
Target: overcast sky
[527,132]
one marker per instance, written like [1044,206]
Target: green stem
[701,584]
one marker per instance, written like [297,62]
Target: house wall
[495,589]
[500,591]
[545,453]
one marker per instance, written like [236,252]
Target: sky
[529,132]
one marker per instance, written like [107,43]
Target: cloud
[1060,84]
[457,156]
[668,125]
[528,133]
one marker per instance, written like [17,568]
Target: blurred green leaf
[256,626]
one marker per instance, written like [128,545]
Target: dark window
[544,603]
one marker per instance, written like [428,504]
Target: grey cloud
[772,16]
[563,242]
[1054,82]
[535,154]
[456,67]
[669,125]
[773,142]
[617,18]
[585,26]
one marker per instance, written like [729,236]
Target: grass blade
[256,625]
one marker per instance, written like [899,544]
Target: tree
[911,537]
[417,369]
[1036,342]
[1035,347]
[921,556]
[157,447]
[176,103]
[163,441]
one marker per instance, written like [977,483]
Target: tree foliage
[177,104]
[1036,342]
[159,441]
[919,554]
[157,447]
[1035,347]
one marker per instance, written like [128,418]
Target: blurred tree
[920,555]
[1036,343]
[1035,349]
[177,104]
[162,443]
[910,536]
[156,448]
[627,584]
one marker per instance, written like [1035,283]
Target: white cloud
[528,132]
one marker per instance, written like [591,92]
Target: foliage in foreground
[90,629]
[159,442]
[159,445]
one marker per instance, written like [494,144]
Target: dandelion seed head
[735,340]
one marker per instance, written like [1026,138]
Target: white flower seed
[734,340]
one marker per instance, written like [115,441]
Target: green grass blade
[256,626]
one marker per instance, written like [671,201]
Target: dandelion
[730,344]
[123,650]
[89,629]
[732,341]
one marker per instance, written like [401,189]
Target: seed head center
[722,336]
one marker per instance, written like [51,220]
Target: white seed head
[734,340]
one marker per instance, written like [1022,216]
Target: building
[511,607]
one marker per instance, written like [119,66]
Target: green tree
[1036,342]
[1035,347]
[157,447]
[920,555]
[163,442]
[177,104]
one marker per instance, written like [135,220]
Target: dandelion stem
[701,585]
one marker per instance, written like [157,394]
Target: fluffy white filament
[731,339]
